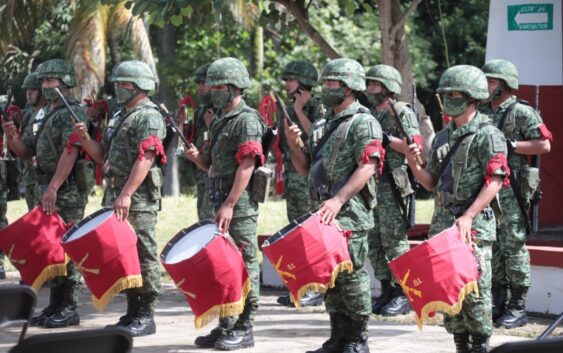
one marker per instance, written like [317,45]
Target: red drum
[208,269]
[308,255]
[105,251]
[33,245]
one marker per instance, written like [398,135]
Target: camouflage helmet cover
[57,68]
[387,75]
[502,70]
[201,73]
[32,81]
[302,71]
[347,71]
[464,78]
[136,72]
[226,71]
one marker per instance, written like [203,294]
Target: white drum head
[90,225]
[191,243]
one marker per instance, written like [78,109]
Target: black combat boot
[66,313]
[356,339]
[285,300]
[461,341]
[208,341]
[479,344]
[500,298]
[515,315]
[54,300]
[398,305]
[238,338]
[384,298]
[142,324]
[335,343]
[132,308]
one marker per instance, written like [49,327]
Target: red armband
[373,147]
[72,139]
[498,161]
[545,133]
[151,141]
[250,149]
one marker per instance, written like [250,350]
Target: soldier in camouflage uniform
[49,137]
[343,153]
[526,134]
[300,77]
[464,187]
[35,101]
[3,197]
[202,120]
[231,156]
[388,239]
[131,149]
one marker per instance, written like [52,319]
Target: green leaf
[176,20]
[187,11]
[349,8]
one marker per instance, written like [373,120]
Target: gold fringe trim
[224,310]
[48,273]
[440,306]
[320,287]
[122,284]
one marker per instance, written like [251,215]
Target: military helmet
[31,81]
[464,78]
[502,70]
[227,71]
[136,72]
[201,73]
[57,68]
[302,71]
[346,70]
[388,76]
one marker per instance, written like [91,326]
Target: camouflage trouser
[388,239]
[3,211]
[204,206]
[351,294]
[296,195]
[511,259]
[476,316]
[144,224]
[243,232]
[30,196]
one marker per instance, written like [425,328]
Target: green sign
[530,17]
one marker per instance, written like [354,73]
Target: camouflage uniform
[511,260]
[3,209]
[122,141]
[388,239]
[470,165]
[349,302]
[48,136]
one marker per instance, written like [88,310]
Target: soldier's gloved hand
[292,134]
[121,207]
[192,153]
[224,217]
[329,209]
[81,129]
[48,200]
[464,224]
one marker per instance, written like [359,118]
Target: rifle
[285,115]
[536,163]
[73,116]
[171,121]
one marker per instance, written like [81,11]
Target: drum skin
[308,255]
[214,281]
[33,245]
[106,256]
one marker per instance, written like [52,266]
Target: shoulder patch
[498,143]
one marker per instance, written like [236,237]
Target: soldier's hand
[412,152]
[301,98]
[81,129]
[48,200]
[121,207]
[10,129]
[208,116]
[464,224]
[329,209]
[192,153]
[292,134]
[224,217]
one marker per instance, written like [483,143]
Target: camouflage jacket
[59,126]
[228,131]
[201,137]
[355,215]
[123,138]
[29,175]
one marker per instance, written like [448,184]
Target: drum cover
[33,245]
[105,251]
[308,255]
[209,270]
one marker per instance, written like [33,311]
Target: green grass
[180,212]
